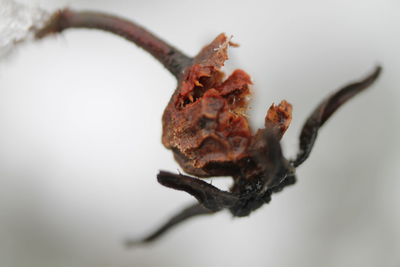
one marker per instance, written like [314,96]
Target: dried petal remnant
[205,123]
[279,116]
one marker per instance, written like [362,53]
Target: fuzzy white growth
[18,24]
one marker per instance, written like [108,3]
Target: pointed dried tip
[279,116]
[215,53]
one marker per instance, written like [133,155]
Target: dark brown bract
[206,127]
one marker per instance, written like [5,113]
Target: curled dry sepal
[205,123]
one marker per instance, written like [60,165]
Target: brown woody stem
[173,59]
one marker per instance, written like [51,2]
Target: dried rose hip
[205,123]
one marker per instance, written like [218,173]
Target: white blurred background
[80,120]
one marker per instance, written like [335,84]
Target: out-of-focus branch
[173,59]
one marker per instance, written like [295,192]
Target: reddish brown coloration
[279,116]
[205,122]
[169,56]
[206,127]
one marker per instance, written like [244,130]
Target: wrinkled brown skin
[206,127]
[205,123]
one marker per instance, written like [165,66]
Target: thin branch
[172,59]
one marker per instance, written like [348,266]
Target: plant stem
[172,59]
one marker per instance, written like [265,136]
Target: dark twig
[208,195]
[187,213]
[323,112]
[172,59]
